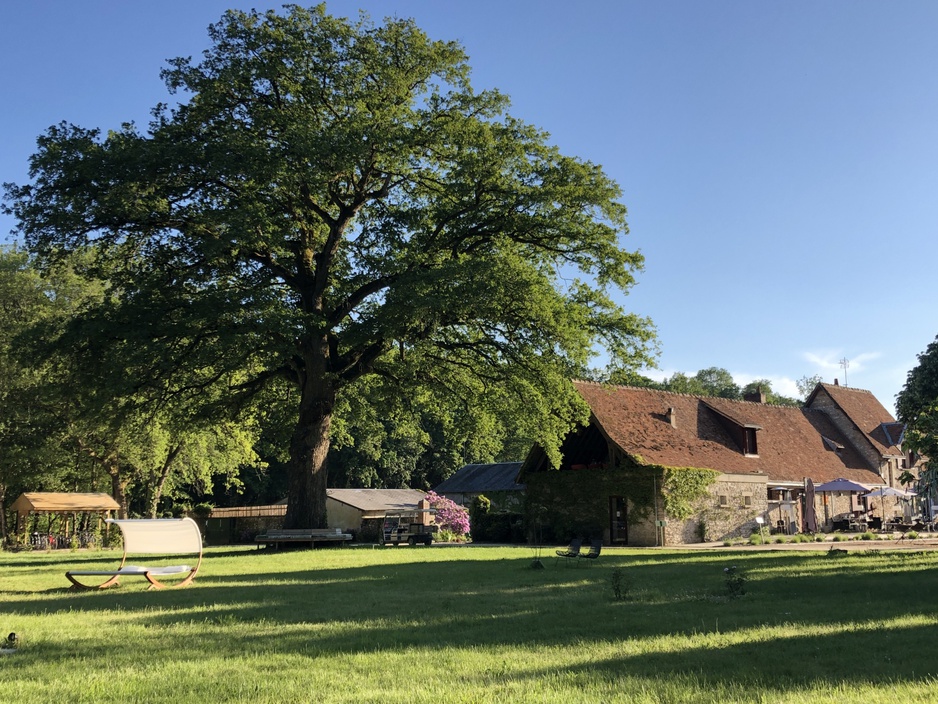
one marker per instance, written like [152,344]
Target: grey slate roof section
[378,499]
[480,478]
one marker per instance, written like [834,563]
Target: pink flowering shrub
[450,516]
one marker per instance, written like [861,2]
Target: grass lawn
[476,624]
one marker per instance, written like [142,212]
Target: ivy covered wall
[563,504]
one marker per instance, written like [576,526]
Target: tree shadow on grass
[307,610]
[855,653]
[869,655]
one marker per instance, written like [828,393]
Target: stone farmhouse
[660,468]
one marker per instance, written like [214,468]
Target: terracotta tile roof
[792,443]
[868,414]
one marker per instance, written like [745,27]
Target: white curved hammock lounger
[150,536]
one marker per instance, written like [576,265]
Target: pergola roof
[62,502]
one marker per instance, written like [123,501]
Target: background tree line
[713,381]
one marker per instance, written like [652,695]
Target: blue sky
[779,160]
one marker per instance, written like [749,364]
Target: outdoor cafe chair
[572,551]
[595,549]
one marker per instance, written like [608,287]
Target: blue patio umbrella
[842,485]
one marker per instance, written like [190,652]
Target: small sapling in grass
[621,584]
[735,582]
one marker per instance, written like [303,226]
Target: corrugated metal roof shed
[480,478]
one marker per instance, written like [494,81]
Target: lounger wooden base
[150,573]
[149,536]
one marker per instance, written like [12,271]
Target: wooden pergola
[62,503]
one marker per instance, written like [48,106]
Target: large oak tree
[330,199]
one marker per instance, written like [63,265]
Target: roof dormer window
[751,448]
[740,428]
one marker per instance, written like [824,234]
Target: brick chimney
[756,396]
[426,517]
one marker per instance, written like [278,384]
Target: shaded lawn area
[459,624]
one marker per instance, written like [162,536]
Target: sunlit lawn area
[476,624]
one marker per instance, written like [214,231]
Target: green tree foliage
[764,386]
[807,384]
[28,457]
[680,383]
[717,382]
[30,435]
[383,439]
[181,463]
[97,387]
[920,392]
[331,200]
[712,381]
[71,418]
[921,436]
[629,377]
[917,407]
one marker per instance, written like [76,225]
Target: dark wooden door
[618,521]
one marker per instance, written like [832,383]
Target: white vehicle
[407,527]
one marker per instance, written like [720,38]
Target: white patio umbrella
[888,491]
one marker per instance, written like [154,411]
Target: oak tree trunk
[309,446]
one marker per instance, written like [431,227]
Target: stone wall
[823,401]
[728,511]
[644,533]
